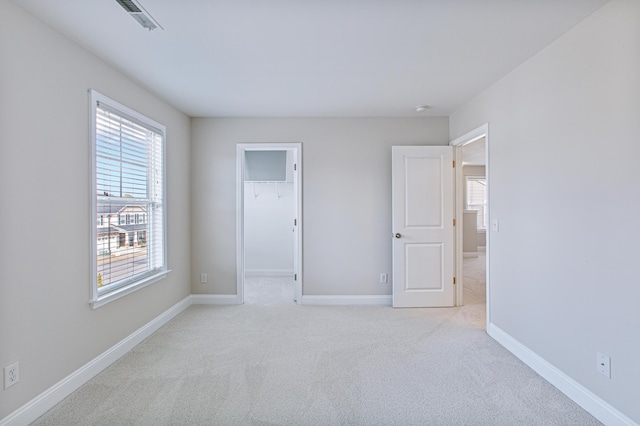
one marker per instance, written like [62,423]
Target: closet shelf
[276,182]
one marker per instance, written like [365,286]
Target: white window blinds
[477,198]
[129,237]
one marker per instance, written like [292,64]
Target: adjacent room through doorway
[269,223]
[474,223]
[269,210]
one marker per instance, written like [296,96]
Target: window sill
[123,291]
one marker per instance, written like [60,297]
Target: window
[477,198]
[128,181]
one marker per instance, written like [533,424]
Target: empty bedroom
[305,213]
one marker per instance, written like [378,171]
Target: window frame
[483,206]
[101,298]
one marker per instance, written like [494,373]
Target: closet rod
[276,182]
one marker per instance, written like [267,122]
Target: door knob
[398,235]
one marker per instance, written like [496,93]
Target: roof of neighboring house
[132,227]
[116,208]
[111,230]
[120,229]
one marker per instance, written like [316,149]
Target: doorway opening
[472,205]
[269,237]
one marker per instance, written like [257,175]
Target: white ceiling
[316,57]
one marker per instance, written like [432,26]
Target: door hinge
[454,222]
[295,222]
[295,277]
[454,280]
[295,167]
[453,164]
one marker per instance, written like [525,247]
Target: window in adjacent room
[477,198]
[127,182]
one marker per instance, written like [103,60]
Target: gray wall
[46,322]
[346,196]
[564,178]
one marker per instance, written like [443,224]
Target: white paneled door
[423,226]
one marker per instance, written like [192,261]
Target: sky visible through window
[121,148]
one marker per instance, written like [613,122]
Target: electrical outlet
[604,364]
[11,375]
[203,278]
[384,278]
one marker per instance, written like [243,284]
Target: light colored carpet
[268,290]
[268,364]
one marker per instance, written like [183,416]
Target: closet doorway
[269,237]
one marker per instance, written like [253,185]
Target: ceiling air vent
[135,9]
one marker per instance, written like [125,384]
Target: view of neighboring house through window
[128,190]
[477,198]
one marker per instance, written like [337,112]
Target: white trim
[586,399]
[98,300]
[93,202]
[268,273]
[471,136]
[123,291]
[240,223]
[459,234]
[216,299]
[470,254]
[35,408]
[340,300]
[296,148]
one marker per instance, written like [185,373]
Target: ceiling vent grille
[135,9]
[129,6]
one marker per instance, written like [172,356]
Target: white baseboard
[339,300]
[215,299]
[56,393]
[586,399]
[268,272]
[470,254]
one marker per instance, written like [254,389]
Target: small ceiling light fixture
[421,108]
[144,18]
